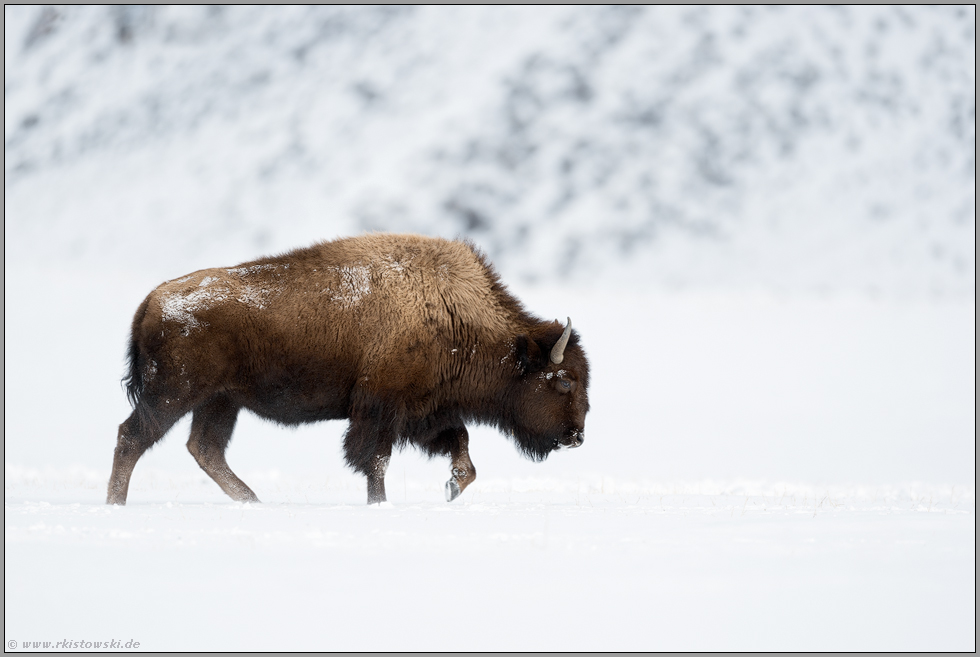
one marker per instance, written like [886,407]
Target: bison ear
[527,352]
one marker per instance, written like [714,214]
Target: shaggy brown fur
[408,337]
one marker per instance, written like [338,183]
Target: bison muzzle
[407,337]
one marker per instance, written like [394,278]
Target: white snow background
[761,221]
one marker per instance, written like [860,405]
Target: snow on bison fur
[408,337]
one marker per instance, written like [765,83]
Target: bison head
[550,395]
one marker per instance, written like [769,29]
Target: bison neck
[483,389]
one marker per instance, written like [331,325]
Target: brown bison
[408,337]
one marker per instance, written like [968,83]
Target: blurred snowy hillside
[785,149]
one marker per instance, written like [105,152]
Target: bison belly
[297,393]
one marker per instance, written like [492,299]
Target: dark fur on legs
[373,429]
[141,430]
[211,431]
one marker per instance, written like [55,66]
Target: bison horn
[558,351]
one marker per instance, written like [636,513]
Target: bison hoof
[452,490]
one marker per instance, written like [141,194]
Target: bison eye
[564,385]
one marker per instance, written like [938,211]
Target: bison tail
[134,378]
[134,375]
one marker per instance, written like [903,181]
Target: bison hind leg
[141,430]
[211,430]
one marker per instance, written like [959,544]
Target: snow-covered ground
[759,473]
[761,221]
[571,563]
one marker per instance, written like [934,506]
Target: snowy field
[762,222]
[761,473]
[572,563]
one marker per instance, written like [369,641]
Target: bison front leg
[367,449]
[462,467]
[376,478]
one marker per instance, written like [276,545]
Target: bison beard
[409,338]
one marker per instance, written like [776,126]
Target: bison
[407,337]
